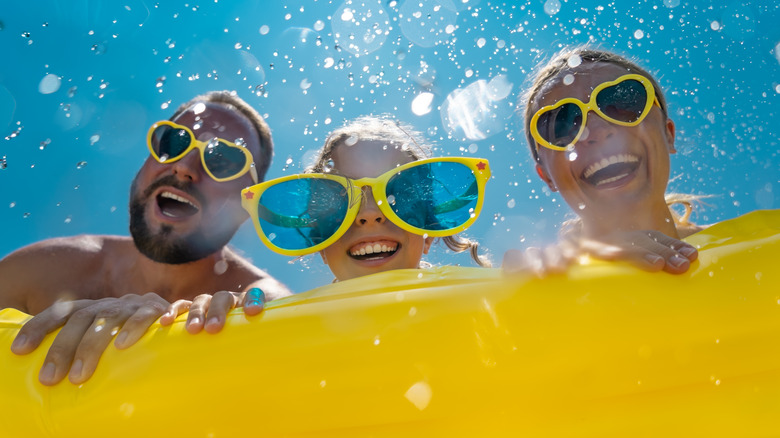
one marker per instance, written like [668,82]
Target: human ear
[546,178]
[427,244]
[669,133]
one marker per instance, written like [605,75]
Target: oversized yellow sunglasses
[223,160]
[626,101]
[304,213]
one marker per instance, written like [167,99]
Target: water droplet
[305,84]
[639,34]
[481,42]
[376,340]
[572,156]
[581,206]
[3,163]
[160,82]
[72,91]
[574,61]
[319,25]
[272,236]
[511,203]
[220,267]
[473,148]
[552,7]
[715,25]
[67,220]
[49,84]
[671,3]
[44,143]
[26,215]
[81,164]
[94,139]
[351,140]
[568,79]
[391,199]
[99,48]
[25,34]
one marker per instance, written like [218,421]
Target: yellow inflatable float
[604,350]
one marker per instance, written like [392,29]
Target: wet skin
[615,176]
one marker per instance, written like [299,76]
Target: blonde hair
[386,128]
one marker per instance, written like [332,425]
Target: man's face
[178,213]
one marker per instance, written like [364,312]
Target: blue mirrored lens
[302,213]
[434,196]
[560,125]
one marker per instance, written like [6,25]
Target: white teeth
[373,248]
[614,159]
[609,180]
[170,195]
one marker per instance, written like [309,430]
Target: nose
[596,130]
[369,212]
[189,166]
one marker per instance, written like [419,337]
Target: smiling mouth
[373,250]
[611,169]
[175,206]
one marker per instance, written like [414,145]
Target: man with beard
[185,206]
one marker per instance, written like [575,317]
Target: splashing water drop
[572,156]
[639,34]
[81,164]
[552,7]
[568,79]
[510,203]
[44,143]
[574,61]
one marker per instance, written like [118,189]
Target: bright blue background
[125,65]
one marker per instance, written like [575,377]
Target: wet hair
[230,99]
[558,63]
[386,128]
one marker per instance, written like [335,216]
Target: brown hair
[231,100]
[559,62]
[386,128]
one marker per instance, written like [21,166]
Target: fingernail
[194,321]
[120,340]
[47,373]
[687,251]
[75,369]
[653,258]
[213,321]
[678,261]
[255,296]
[19,342]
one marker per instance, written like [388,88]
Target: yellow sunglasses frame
[201,145]
[652,99]
[250,199]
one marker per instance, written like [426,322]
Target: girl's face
[373,243]
[614,174]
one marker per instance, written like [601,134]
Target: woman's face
[613,174]
[373,243]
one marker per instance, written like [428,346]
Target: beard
[165,245]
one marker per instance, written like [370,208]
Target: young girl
[599,131]
[372,202]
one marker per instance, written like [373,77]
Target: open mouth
[611,169]
[175,206]
[373,250]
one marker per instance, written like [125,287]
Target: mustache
[173,181]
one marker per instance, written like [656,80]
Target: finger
[94,341]
[60,355]
[220,305]
[254,301]
[174,310]
[137,324]
[35,330]
[555,261]
[535,261]
[197,315]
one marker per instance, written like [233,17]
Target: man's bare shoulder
[41,272]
